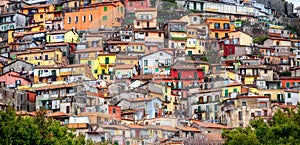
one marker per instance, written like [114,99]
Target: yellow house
[89,56]
[231,88]
[145,18]
[41,13]
[219,27]
[195,45]
[106,64]
[170,101]
[274,93]
[41,57]
[62,36]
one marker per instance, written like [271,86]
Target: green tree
[17,130]
[284,128]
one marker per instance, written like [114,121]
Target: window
[76,19]
[225,26]
[146,34]
[190,52]
[138,23]
[114,110]
[287,84]
[91,17]
[244,103]
[69,20]
[195,19]
[104,18]
[41,16]
[159,34]
[217,25]
[142,3]
[83,18]
[235,90]
[156,70]
[130,4]
[216,35]
[26,58]
[111,77]
[266,71]
[161,54]
[106,60]
[226,92]
[105,8]
[145,62]
[240,115]
[289,95]
[46,57]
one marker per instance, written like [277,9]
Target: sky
[295,2]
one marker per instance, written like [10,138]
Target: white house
[158,62]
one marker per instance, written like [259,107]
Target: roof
[233,84]
[56,44]
[146,9]
[187,128]
[36,51]
[126,57]
[37,6]
[168,128]
[125,66]
[57,86]
[135,126]
[192,61]
[90,49]
[283,106]
[57,114]
[213,136]
[186,67]
[176,21]
[211,125]
[156,52]
[117,127]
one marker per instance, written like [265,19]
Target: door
[226,93]
[148,24]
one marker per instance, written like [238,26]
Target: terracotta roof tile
[125,66]
[56,114]
[211,125]
[187,128]
[91,49]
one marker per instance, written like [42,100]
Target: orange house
[289,82]
[96,16]
[41,13]
[114,111]
[219,27]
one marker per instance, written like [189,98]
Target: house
[13,79]
[175,34]
[118,133]
[40,14]
[66,36]
[114,111]
[11,21]
[291,97]
[204,105]
[156,62]
[240,38]
[289,82]
[89,56]
[232,89]
[196,36]
[187,132]
[81,124]
[95,16]
[100,118]
[250,73]
[219,27]
[145,18]
[131,5]
[126,48]
[17,99]
[209,127]
[18,66]
[41,57]
[94,39]
[125,71]
[239,111]
[123,59]
[106,63]
[139,134]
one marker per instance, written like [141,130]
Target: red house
[289,82]
[229,49]
[132,4]
[13,79]
[186,73]
[114,111]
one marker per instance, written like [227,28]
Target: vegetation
[17,130]
[260,39]
[284,128]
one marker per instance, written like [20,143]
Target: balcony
[178,38]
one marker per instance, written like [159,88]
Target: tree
[284,128]
[17,130]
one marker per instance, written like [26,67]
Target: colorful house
[68,36]
[95,16]
[89,56]
[232,89]
[219,27]
[175,34]
[106,63]
[41,57]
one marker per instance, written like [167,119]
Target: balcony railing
[178,38]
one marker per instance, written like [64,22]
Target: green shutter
[95,71]
[106,60]
[199,108]
[287,84]
[156,70]
[203,69]
[235,90]
[105,8]
[53,72]
[179,75]
[111,77]
[289,95]
[278,97]
[104,18]
[226,92]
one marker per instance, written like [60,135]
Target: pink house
[13,79]
[132,4]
